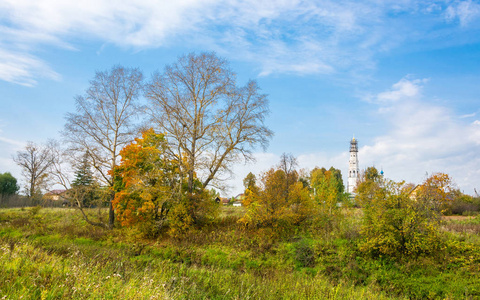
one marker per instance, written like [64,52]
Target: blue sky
[402,76]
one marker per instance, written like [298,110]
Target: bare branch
[104,121]
[206,117]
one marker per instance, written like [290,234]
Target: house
[54,195]
[412,191]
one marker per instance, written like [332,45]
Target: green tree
[394,223]
[369,186]
[83,173]
[326,181]
[250,181]
[8,184]
[84,189]
[328,189]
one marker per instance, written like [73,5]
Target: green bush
[395,224]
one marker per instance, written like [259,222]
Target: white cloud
[404,89]
[424,137]
[468,116]
[466,12]
[280,36]
[24,69]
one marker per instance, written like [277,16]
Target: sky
[401,76]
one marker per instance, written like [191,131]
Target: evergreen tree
[83,174]
[84,187]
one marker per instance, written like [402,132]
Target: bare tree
[35,162]
[104,121]
[209,122]
[288,164]
[59,169]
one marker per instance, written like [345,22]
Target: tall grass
[54,254]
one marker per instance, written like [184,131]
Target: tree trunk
[111,213]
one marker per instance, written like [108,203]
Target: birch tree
[209,122]
[104,121]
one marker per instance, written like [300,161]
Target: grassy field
[54,254]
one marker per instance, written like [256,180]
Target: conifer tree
[84,190]
[83,173]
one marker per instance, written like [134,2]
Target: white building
[353,169]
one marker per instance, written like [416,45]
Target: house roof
[55,192]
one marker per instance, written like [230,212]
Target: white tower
[353,170]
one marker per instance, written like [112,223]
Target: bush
[464,206]
[394,224]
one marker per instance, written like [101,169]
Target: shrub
[464,205]
[395,224]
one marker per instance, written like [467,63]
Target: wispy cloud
[23,68]
[300,37]
[465,12]
[11,142]
[468,115]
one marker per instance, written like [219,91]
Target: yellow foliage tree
[327,188]
[394,223]
[436,192]
[281,201]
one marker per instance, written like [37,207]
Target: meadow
[51,253]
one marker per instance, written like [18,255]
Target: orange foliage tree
[145,181]
[152,192]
